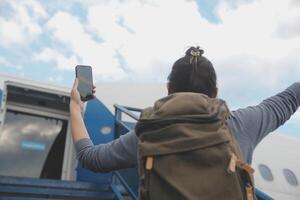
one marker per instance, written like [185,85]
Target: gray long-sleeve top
[249,126]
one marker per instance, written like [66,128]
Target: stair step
[18,188]
[53,193]
[25,198]
[49,183]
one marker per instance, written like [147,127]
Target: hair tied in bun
[195,52]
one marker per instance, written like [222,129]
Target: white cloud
[247,43]
[61,61]
[23,27]
[251,28]
[252,39]
[68,30]
[289,28]
[160,34]
[3,61]
[35,8]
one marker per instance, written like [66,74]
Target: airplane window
[265,172]
[290,177]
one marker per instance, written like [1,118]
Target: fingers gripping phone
[85,85]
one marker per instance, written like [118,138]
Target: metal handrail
[125,185]
[127,110]
[261,195]
[118,118]
[116,192]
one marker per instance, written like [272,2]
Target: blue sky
[253,45]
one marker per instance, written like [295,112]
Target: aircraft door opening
[34,134]
[32,145]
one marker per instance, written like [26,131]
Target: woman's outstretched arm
[117,154]
[78,128]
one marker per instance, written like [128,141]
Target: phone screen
[85,86]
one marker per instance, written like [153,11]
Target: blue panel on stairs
[100,125]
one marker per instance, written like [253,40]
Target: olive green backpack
[186,151]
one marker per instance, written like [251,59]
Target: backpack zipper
[249,192]
[148,167]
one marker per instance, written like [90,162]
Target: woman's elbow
[88,159]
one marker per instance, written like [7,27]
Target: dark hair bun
[194,51]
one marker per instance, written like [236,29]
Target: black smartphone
[85,85]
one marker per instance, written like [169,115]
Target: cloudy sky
[253,44]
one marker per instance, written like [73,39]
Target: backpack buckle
[235,162]
[149,163]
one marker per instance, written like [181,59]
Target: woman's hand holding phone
[75,101]
[82,90]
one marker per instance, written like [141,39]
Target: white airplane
[35,138]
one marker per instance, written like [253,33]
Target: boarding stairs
[118,185]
